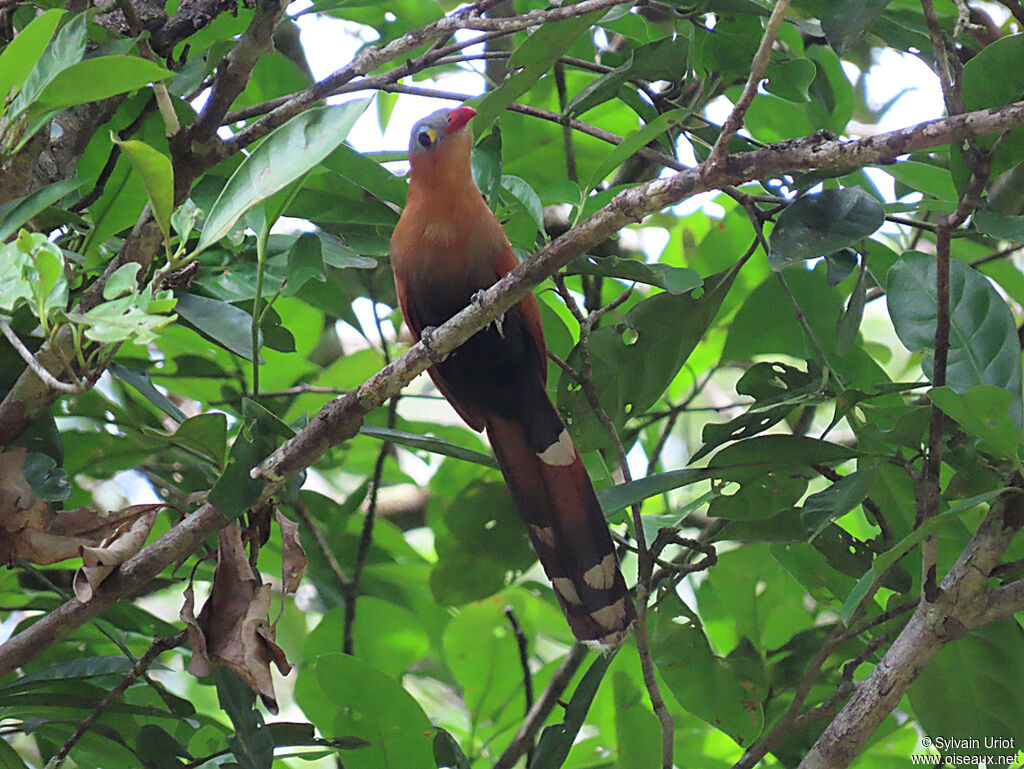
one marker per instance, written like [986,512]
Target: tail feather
[556,501]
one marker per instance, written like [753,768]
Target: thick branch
[962,605]
[341,418]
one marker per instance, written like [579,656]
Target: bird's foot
[478,298]
[427,340]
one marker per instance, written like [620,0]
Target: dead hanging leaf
[30,530]
[200,665]
[293,557]
[233,628]
[98,562]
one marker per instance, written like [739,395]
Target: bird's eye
[423,137]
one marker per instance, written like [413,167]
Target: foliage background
[774,404]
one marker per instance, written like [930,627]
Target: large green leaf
[675,280]
[631,373]
[816,225]
[983,343]
[22,53]
[701,682]
[977,672]
[222,322]
[15,213]
[95,79]
[63,51]
[983,412]
[157,174]
[286,154]
[846,22]
[772,471]
[992,78]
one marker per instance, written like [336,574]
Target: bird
[447,247]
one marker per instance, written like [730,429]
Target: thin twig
[524,663]
[757,67]
[158,647]
[542,707]
[321,544]
[36,366]
[645,559]
[351,592]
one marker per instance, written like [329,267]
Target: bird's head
[440,139]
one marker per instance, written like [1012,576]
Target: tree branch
[757,67]
[964,603]
[342,417]
[542,708]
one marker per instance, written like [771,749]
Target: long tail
[556,501]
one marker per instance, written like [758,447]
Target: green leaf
[50,286]
[635,141]
[252,744]
[846,22]
[428,443]
[535,56]
[820,509]
[157,176]
[15,213]
[492,543]
[992,78]
[999,225]
[848,325]
[305,263]
[9,758]
[556,741]
[789,80]
[675,280]
[48,481]
[75,669]
[615,498]
[632,370]
[140,381]
[91,80]
[447,753]
[701,682]
[831,104]
[205,434]
[126,318]
[222,322]
[924,177]
[349,697]
[778,389]
[122,281]
[236,490]
[884,561]
[62,52]
[772,471]
[816,225]
[524,193]
[983,412]
[22,53]
[286,154]
[977,672]
[637,730]
[983,343]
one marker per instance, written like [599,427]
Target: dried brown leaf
[124,542]
[293,556]
[29,529]
[233,624]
